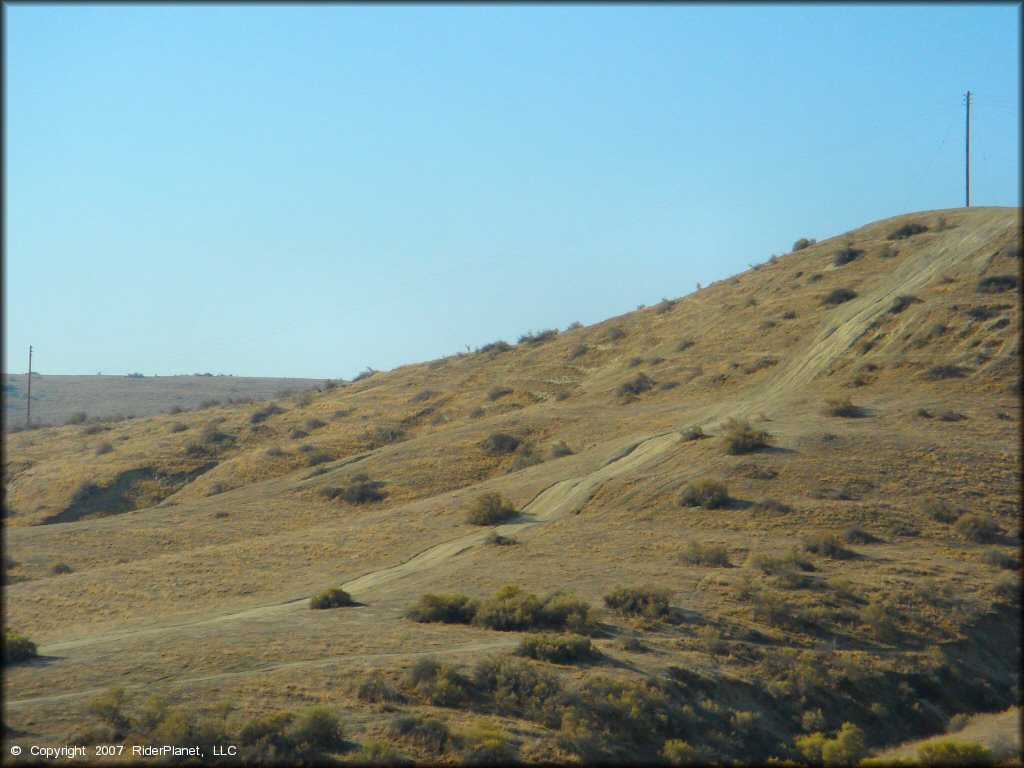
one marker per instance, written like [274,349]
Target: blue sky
[281,190]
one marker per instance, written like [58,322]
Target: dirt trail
[849,321]
[562,498]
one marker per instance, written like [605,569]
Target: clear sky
[284,190]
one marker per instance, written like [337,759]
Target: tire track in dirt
[562,498]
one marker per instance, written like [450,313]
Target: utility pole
[28,417]
[968,149]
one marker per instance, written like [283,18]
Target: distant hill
[55,399]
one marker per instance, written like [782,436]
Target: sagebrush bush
[648,601]
[693,433]
[803,242]
[946,371]
[444,608]
[539,337]
[103,448]
[485,743]
[558,649]
[17,648]
[740,437]
[901,302]
[839,296]
[695,553]
[335,597]
[845,255]
[496,393]
[426,732]
[520,688]
[258,417]
[706,493]
[977,528]
[638,384]
[512,609]
[614,334]
[875,616]
[684,345]
[826,544]
[490,509]
[997,284]
[422,395]
[501,443]
[441,684]
[560,449]
[362,490]
[907,230]
[954,752]
[375,689]
[388,435]
[772,506]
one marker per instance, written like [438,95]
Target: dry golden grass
[205,597]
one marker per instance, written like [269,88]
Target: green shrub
[564,610]
[362,490]
[684,345]
[677,751]
[441,684]
[318,730]
[422,396]
[977,528]
[60,569]
[520,689]
[426,732]
[510,609]
[490,509]
[387,435]
[954,752]
[558,649]
[17,648]
[695,553]
[78,417]
[108,707]
[614,334]
[640,383]
[377,752]
[497,539]
[706,493]
[495,347]
[444,608]
[315,459]
[650,602]
[486,744]
[500,443]
[839,296]
[907,230]
[999,559]
[335,597]
[997,284]
[313,423]
[803,242]
[740,437]
[876,618]
[377,690]
[103,448]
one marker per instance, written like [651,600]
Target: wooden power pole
[28,417]
[968,149]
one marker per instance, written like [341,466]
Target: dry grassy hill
[848,585]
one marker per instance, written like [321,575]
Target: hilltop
[790,500]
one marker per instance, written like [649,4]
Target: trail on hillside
[563,498]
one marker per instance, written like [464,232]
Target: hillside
[58,399]
[861,567]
